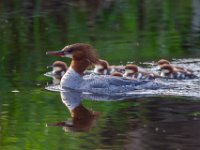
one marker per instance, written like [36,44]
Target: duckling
[168,71]
[59,68]
[177,68]
[103,67]
[132,71]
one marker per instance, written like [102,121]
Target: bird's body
[83,56]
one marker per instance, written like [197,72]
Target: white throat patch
[165,71]
[97,68]
[127,71]
[57,69]
[68,55]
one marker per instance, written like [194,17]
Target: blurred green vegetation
[134,30]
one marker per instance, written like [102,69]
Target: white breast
[71,79]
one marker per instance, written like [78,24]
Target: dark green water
[122,31]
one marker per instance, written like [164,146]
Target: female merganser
[169,71]
[132,71]
[83,56]
[103,67]
[177,68]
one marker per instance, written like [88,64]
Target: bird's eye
[70,50]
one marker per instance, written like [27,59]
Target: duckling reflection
[83,119]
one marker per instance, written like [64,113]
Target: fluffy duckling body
[168,71]
[103,67]
[132,71]
[162,62]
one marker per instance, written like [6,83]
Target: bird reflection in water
[83,119]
